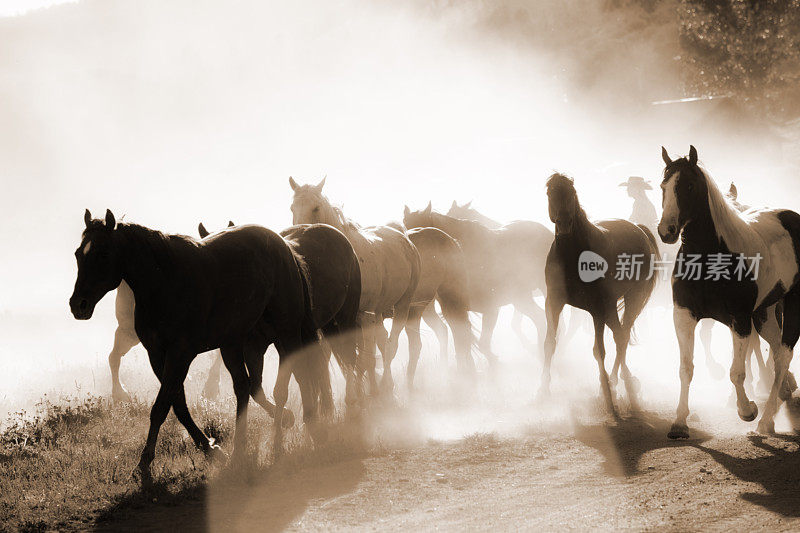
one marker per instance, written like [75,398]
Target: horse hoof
[636,385]
[214,453]
[678,431]
[319,434]
[749,417]
[121,395]
[766,428]
[287,420]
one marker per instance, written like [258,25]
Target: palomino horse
[733,293]
[390,273]
[125,338]
[467,212]
[609,240]
[504,265]
[443,276]
[239,290]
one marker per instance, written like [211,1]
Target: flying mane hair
[563,183]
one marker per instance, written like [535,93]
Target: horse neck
[332,217]
[700,234]
[453,226]
[147,261]
[580,236]
[486,221]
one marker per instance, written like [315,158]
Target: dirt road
[603,475]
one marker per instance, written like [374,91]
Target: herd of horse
[326,284]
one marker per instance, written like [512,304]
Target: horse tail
[650,282]
[314,361]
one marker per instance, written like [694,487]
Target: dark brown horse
[335,282]
[579,240]
[239,290]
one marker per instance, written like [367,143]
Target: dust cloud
[181,112]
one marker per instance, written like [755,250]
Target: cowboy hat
[636,181]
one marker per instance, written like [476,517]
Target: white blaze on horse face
[87,248]
[669,216]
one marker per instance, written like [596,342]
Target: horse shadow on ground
[248,498]
[778,472]
[624,441]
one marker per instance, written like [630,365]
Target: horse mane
[161,245]
[730,224]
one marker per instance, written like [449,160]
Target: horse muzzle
[81,308]
[669,234]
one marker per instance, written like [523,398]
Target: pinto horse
[390,272]
[504,265]
[706,325]
[709,226]
[610,240]
[239,290]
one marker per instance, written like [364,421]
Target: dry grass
[70,464]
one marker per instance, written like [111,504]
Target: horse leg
[599,356]
[367,348]
[171,374]
[488,322]
[552,308]
[763,371]
[715,369]
[516,326]
[414,344]
[287,347]
[201,441]
[434,321]
[527,305]
[211,388]
[401,311]
[741,343]
[685,324]
[784,383]
[343,345]
[233,357]
[456,312]
[124,340]
[254,363]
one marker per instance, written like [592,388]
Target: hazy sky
[175,112]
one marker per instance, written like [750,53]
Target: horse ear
[201,229]
[665,156]
[321,184]
[111,222]
[428,209]
[454,206]
[293,184]
[231,224]
[87,217]
[467,205]
[732,192]
[406,211]
[692,155]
